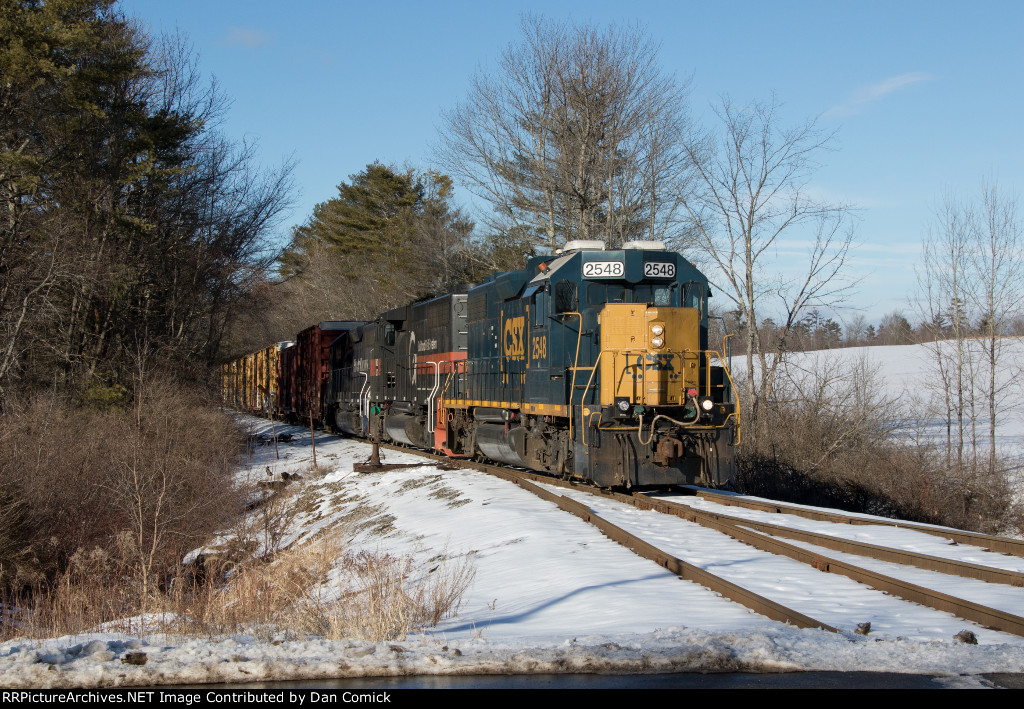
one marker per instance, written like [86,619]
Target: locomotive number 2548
[604,269]
[654,269]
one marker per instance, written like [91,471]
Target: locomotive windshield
[657,294]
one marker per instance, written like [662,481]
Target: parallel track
[762,536]
[953,567]
[986,541]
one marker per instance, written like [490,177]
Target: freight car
[305,370]
[251,383]
[284,380]
[591,364]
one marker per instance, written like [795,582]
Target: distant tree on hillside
[855,330]
[895,329]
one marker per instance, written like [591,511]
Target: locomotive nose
[649,355]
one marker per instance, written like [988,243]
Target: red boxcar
[305,368]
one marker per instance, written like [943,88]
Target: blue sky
[925,97]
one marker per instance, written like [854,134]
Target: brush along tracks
[767,537]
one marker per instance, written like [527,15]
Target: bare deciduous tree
[999,262]
[970,293]
[577,135]
[749,189]
[856,329]
[943,285]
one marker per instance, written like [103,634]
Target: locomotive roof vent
[645,245]
[582,245]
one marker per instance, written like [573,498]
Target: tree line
[818,331]
[131,232]
[131,228]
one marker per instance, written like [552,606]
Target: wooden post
[312,437]
[273,430]
[375,452]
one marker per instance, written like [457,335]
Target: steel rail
[928,562]
[968,610]
[682,569]
[1014,547]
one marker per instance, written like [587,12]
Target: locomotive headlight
[707,404]
[623,407]
[657,342]
[657,329]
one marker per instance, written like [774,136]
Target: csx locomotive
[590,364]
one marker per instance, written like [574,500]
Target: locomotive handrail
[431,414]
[585,390]
[364,407]
[575,364]
[728,362]
[732,385]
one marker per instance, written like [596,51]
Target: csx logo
[655,363]
[513,337]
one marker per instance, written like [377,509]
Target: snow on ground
[551,594]
[830,598]
[906,376]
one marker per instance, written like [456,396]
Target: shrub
[137,486]
[829,437]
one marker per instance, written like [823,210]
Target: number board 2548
[655,269]
[604,269]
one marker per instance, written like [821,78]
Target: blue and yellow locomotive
[591,364]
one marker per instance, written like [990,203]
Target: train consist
[591,364]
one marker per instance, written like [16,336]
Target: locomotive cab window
[389,334]
[694,296]
[601,293]
[566,297]
[537,297]
[539,306]
[657,295]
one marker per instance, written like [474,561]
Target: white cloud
[867,95]
[245,37]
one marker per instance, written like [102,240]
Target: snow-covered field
[550,594]
[906,377]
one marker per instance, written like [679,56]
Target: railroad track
[768,537]
[986,541]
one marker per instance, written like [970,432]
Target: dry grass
[828,438]
[314,589]
[318,589]
[89,593]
